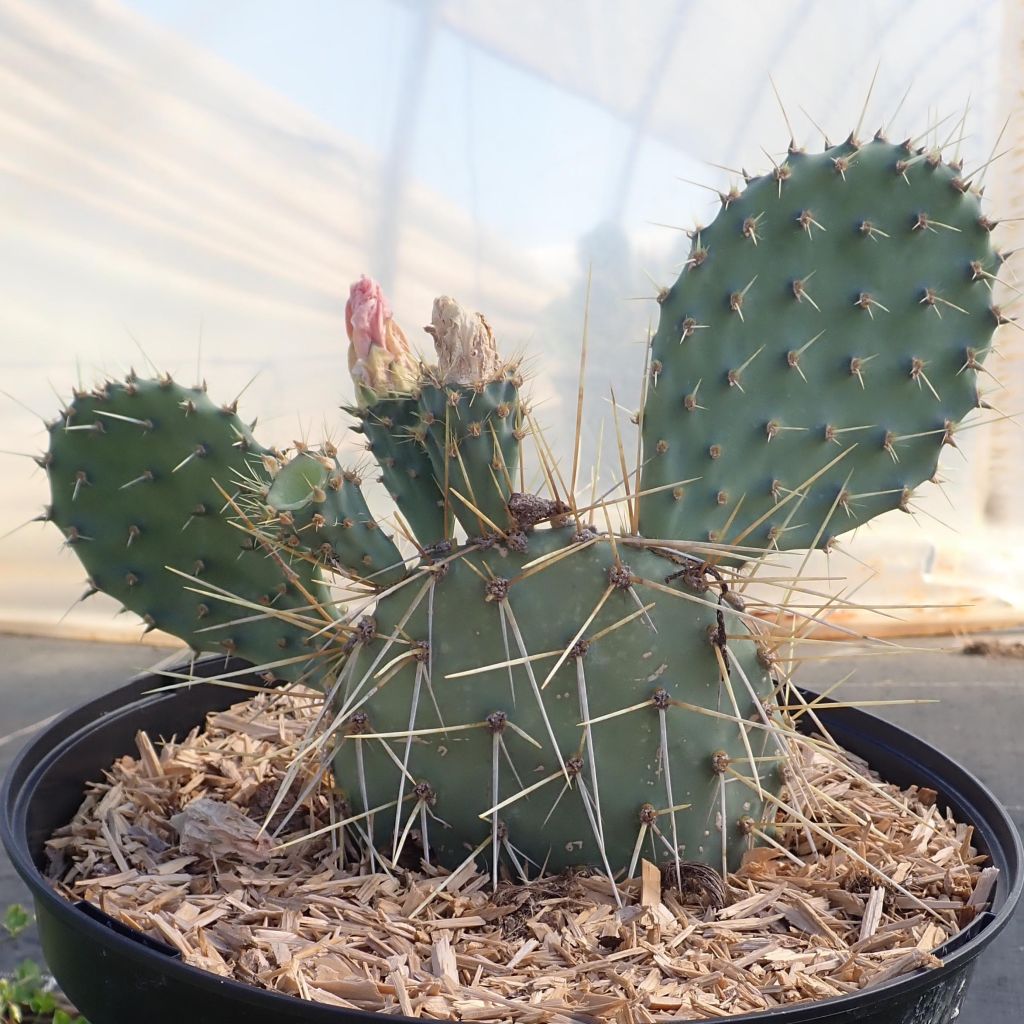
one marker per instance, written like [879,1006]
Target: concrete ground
[978,723]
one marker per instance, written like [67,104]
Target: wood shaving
[306,919]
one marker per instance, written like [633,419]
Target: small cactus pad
[473,438]
[134,470]
[817,350]
[461,721]
[395,438]
[321,508]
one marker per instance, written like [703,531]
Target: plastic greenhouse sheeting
[195,186]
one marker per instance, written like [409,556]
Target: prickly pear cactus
[518,682]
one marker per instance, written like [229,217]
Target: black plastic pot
[116,975]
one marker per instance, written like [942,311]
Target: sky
[542,165]
[346,62]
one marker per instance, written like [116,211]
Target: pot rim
[995,834]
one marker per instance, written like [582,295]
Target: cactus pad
[134,471]
[473,437]
[810,361]
[450,739]
[321,508]
[395,438]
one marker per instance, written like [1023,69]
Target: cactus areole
[515,679]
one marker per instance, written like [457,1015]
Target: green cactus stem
[386,376]
[471,411]
[396,439]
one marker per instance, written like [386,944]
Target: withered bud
[466,350]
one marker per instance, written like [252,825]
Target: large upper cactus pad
[423,720]
[138,473]
[817,350]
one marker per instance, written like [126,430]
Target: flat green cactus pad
[321,509]
[138,473]
[424,721]
[817,350]
[473,437]
[395,437]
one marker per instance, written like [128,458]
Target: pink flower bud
[379,358]
[366,315]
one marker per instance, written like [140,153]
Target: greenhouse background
[195,186]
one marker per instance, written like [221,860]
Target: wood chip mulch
[170,844]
